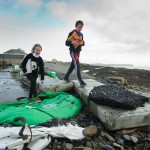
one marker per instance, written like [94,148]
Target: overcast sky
[115,31]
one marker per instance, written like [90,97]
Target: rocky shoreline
[127,139]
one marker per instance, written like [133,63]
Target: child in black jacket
[75,48]
[32,65]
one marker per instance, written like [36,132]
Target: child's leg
[75,58]
[30,93]
[33,90]
[71,68]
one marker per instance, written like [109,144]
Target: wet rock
[90,131]
[134,139]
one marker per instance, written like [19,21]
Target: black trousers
[33,90]
[75,64]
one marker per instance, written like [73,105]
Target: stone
[122,148]
[134,139]
[110,138]
[88,144]
[116,145]
[120,141]
[90,131]
[100,138]
[107,147]
[127,137]
[69,146]
[103,133]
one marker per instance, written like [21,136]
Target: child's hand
[42,81]
[75,43]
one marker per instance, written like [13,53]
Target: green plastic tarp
[51,74]
[54,105]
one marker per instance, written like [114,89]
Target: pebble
[122,148]
[110,138]
[90,131]
[107,147]
[87,148]
[116,145]
[127,137]
[103,133]
[134,139]
[88,144]
[118,137]
[100,138]
[69,146]
[108,143]
[121,141]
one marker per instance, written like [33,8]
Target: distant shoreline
[126,66]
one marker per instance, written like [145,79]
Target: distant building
[12,57]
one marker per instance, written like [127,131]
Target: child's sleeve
[68,43]
[24,62]
[41,68]
[83,41]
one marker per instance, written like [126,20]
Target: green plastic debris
[54,105]
[51,74]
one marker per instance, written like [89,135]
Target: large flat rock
[55,85]
[114,118]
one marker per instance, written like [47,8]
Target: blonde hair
[36,45]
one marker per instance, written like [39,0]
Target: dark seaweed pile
[117,96]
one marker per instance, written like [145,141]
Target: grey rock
[69,146]
[108,143]
[134,139]
[121,141]
[107,147]
[103,133]
[110,138]
[88,144]
[127,137]
[116,145]
[100,138]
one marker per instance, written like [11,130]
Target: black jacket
[71,47]
[34,65]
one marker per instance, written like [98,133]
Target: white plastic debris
[41,136]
